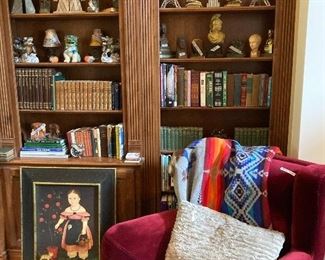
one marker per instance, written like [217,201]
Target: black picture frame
[80,201]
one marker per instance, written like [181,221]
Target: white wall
[307,118]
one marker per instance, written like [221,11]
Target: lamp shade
[51,39]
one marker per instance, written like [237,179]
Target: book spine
[202,89]
[217,89]
[195,88]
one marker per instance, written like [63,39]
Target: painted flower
[53,216]
[46,205]
[41,219]
[49,196]
[58,204]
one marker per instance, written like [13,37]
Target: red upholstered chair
[297,206]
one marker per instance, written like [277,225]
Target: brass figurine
[216,37]
[193,4]
[268,47]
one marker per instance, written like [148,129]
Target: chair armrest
[142,238]
[296,255]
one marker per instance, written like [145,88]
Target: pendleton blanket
[225,176]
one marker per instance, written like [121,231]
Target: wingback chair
[297,207]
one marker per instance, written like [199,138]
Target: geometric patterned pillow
[245,176]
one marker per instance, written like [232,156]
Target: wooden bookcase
[137,26]
[238,23]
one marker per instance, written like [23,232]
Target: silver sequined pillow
[202,233]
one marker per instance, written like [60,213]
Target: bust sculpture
[254,43]
[216,37]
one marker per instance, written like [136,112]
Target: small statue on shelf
[193,4]
[268,47]
[107,49]
[71,53]
[181,51]
[173,3]
[236,49]
[93,6]
[164,46]
[38,131]
[29,55]
[18,48]
[216,37]
[66,6]
[54,131]
[233,3]
[254,43]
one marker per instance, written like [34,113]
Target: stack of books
[45,148]
[6,154]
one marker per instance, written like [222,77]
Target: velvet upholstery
[297,207]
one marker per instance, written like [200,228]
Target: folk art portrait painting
[66,216]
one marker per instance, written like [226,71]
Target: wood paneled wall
[140,66]
[9,122]
[282,73]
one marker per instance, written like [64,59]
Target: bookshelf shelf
[217,9]
[212,108]
[71,161]
[65,65]
[64,16]
[70,111]
[217,60]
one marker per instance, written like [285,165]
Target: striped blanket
[225,176]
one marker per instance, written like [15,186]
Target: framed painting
[65,211]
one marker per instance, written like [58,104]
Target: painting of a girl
[77,238]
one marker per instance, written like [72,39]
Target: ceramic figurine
[71,53]
[29,55]
[254,43]
[18,48]
[107,49]
[216,37]
[93,6]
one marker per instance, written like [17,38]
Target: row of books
[44,88]
[192,88]
[44,148]
[101,141]
[168,201]
[177,138]
[166,178]
[87,95]
[252,136]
